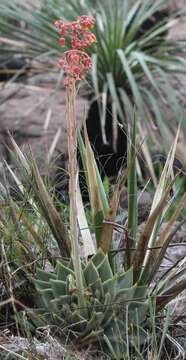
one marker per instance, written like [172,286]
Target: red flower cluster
[76,62]
[81,37]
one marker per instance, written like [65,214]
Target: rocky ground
[35,116]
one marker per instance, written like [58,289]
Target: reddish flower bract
[76,62]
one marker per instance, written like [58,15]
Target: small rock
[35,116]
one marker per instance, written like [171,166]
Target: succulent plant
[107,295]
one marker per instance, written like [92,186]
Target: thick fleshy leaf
[47,295]
[138,312]
[141,293]
[125,295]
[110,286]
[41,285]
[91,273]
[58,287]
[63,271]
[45,276]
[94,322]
[104,269]
[58,302]
[108,310]
[125,280]
[98,257]
[97,289]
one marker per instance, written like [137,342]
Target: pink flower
[76,62]
[86,21]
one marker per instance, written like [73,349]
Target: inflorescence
[76,62]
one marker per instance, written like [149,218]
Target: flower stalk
[75,63]
[73,177]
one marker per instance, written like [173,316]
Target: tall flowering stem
[75,64]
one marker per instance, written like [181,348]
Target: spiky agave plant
[116,306]
[107,294]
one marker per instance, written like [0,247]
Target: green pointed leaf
[78,323]
[142,60]
[97,289]
[110,286]
[140,292]
[98,257]
[125,295]
[110,346]
[132,189]
[131,79]
[45,276]
[101,186]
[63,271]
[113,91]
[59,302]
[41,285]
[94,322]
[91,337]
[47,296]
[91,273]
[58,287]
[125,280]
[98,223]
[97,305]
[105,270]
[138,312]
[108,310]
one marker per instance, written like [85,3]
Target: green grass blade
[132,186]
